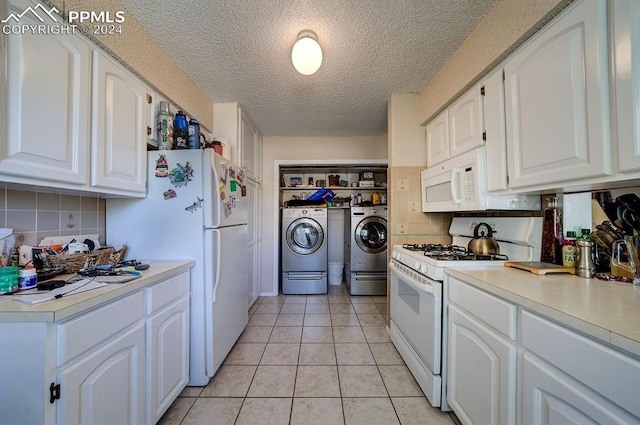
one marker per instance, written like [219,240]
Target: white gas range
[419,300]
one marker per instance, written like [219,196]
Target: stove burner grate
[467,256]
[448,252]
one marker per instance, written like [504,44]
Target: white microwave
[460,184]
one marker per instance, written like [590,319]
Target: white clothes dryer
[366,272]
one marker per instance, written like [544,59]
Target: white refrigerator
[195,209]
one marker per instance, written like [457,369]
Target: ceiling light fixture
[306,54]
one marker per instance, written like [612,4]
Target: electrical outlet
[402,227]
[403,184]
[413,206]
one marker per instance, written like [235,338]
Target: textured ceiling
[240,50]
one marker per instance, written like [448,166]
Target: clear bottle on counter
[569,250]
[551,251]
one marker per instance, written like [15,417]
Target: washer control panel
[304,212]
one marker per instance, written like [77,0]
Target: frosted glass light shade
[306,54]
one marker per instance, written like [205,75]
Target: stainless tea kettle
[483,244]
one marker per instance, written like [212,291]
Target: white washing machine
[366,265]
[304,251]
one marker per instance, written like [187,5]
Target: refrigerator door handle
[215,260]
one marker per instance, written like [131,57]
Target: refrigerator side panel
[229,276]
[156,228]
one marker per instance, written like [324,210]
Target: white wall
[303,149]
[407,139]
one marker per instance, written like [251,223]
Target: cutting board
[537,267]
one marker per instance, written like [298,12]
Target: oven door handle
[409,280]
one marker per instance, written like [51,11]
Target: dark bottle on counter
[180,131]
[551,251]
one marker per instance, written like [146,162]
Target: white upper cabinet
[234,128]
[626,36]
[557,101]
[119,121]
[438,139]
[495,136]
[466,123]
[46,106]
[251,146]
[456,130]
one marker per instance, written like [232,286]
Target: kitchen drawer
[606,371]
[87,330]
[497,313]
[167,291]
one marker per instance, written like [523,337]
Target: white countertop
[606,310]
[65,307]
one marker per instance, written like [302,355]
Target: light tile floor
[307,360]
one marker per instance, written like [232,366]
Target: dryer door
[371,235]
[304,236]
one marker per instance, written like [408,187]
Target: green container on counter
[8,279]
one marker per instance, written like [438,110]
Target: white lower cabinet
[482,372]
[167,357]
[106,386]
[123,362]
[550,397]
[569,378]
[481,362]
[543,373]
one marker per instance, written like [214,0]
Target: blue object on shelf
[322,193]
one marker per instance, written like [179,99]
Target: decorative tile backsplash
[34,215]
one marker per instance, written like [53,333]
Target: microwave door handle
[455,196]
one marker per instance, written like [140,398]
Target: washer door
[304,236]
[371,235]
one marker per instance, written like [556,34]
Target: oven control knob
[424,269]
[398,256]
[417,265]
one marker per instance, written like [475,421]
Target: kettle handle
[489,229]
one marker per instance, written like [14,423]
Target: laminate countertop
[71,305]
[605,310]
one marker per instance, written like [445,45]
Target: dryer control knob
[304,212]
